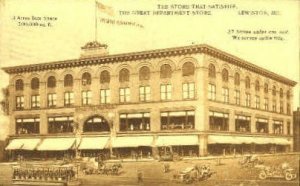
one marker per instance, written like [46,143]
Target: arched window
[281,93]
[274,91]
[96,124]
[188,69]
[35,83]
[104,77]
[225,75]
[247,82]
[266,88]
[211,71]
[86,78]
[124,75]
[144,73]
[165,71]
[51,83]
[288,95]
[68,80]
[257,86]
[19,84]
[237,79]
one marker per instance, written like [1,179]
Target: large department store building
[196,100]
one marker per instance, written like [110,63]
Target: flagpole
[95,20]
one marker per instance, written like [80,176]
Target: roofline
[191,49]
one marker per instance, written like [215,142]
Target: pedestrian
[139,176]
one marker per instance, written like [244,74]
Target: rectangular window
[177,120]
[28,126]
[288,109]
[225,94]
[188,90]
[124,95]
[237,97]
[257,102]
[281,107]
[145,93]
[212,92]
[20,102]
[62,124]
[135,122]
[86,97]
[274,106]
[266,104]
[262,125]
[242,123]
[278,127]
[166,92]
[218,121]
[35,101]
[288,128]
[104,96]
[52,100]
[248,100]
[69,99]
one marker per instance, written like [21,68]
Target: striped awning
[132,141]
[218,139]
[177,140]
[57,144]
[23,144]
[93,143]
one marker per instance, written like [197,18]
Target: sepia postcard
[139,92]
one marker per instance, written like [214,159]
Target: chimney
[93,49]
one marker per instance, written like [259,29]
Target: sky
[75,26]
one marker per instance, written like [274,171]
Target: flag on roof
[105,9]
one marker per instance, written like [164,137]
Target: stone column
[231,121]
[203,141]
[253,124]
[43,123]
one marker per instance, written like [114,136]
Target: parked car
[283,171]
[250,161]
[193,174]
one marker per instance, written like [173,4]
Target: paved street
[228,173]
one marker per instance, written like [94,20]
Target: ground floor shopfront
[141,146]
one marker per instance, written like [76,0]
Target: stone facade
[201,56]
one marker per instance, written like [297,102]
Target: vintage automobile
[283,171]
[192,174]
[184,176]
[250,161]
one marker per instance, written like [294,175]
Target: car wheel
[288,176]
[262,175]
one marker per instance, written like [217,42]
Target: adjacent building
[296,130]
[197,100]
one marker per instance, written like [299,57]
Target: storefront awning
[22,144]
[177,140]
[56,144]
[93,143]
[132,141]
[246,140]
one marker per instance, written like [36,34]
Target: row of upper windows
[225,75]
[188,69]
[188,92]
[237,99]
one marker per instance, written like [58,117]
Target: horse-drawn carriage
[103,168]
[110,169]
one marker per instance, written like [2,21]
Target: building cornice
[151,54]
